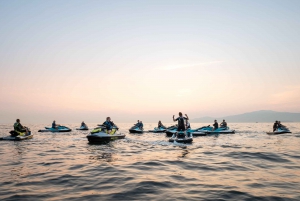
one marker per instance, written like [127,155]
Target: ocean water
[248,165]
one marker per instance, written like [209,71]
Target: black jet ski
[100,135]
[182,137]
[17,136]
[136,129]
[55,130]
[278,131]
[158,130]
[171,130]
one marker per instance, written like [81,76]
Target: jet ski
[158,130]
[83,128]
[136,129]
[171,130]
[100,135]
[182,137]
[17,136]
[278,131]
[210,130]
[57,129]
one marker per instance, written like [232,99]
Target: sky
[84,60]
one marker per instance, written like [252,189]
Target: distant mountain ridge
[256,116]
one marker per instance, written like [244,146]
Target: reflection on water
[248,165]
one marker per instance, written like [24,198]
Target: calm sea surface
[248,165]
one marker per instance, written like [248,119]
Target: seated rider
[216,125]
[108,124]
[160,125]
[223,124]
[280,125]
[138,123]
[181,119]
[83,124]
[19,128]
[54,125]
[187,124]
[275,126]
[141,125]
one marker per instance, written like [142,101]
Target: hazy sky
[85,60]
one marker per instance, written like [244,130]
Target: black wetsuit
[216,125]
[181,126]
[275,126]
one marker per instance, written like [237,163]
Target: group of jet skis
[108,131]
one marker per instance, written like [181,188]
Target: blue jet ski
[100,135]
[158,130]
[136,129]
[278,131]
[210,130]
[182,137]
[57,129]
[17,136]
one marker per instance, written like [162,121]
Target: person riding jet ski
[216,125]
[83,124]
[275,126]
[54,125]
[160,125]
[141,125]
[223,124]
[280,125]
[108,124]
[187,124]
[18,128]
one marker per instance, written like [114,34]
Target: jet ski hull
[82,129]
[278,133]
[136,131]
[182,138]
[199,134]
[103,137]
[157,130]
[220,132]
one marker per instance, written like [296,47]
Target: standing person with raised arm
[181,119]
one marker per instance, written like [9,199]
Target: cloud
[173,67]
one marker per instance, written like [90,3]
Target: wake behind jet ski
[83,127]
[137,128]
